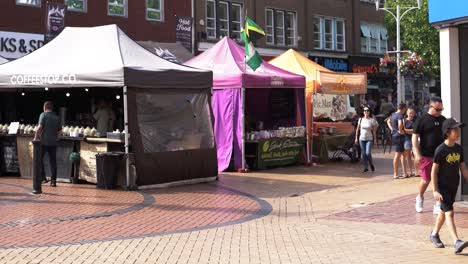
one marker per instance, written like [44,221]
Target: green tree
[417,34]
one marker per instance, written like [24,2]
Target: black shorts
[448,196]
[399,142]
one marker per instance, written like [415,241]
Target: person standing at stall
[47,132]
[105,118]
[366,136]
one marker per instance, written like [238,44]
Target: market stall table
[326,143]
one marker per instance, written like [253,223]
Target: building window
[340,35]
[236,21]
[329,33]
[318,33]
[223,20]
[210,19]
[269,27]
[373,38]
[117,7]
[29,2]
[155,10]
[290,29]
[76,5]
[280,27]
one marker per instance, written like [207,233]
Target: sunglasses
[366,110]
[438,109]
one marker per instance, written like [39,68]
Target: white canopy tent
[101,56]
[3,60]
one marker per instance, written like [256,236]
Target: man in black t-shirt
[448,161]
[427,136]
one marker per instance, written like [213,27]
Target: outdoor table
[274,152]
[323,144]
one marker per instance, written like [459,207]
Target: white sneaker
[419,204]
[436,209]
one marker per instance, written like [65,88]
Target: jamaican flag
[251,31]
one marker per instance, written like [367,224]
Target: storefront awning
[365,30]
[383,33]
[374,31]
[343,83]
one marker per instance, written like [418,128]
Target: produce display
[282,132]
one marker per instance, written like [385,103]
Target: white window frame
[320,33]
[278,27]
[85,7]
[293,29]
[334,35]
[226,20]
[335,24]
[125,6]
[370,40]
[160,10]
[231,21]
[38,4]
[211,18]
[274,26]
[270,26]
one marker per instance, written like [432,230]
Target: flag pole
[243,99]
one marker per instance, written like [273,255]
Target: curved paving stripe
[67,202]
[12,193]
[176,210]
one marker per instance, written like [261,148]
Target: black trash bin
[107,165]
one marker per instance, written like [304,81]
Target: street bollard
[37,167]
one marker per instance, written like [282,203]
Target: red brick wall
[29,19]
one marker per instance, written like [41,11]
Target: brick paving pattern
[81,213]
[301,215]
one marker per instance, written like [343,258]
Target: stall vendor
[105,118]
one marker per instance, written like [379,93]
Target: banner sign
[55,20]
[14,45]
[184,32]
[333,106]
[280,152]
[343,83]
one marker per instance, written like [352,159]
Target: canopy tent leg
[307,130]
[243,130]
[127,158]
[312,129]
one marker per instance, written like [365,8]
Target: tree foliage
[417,34]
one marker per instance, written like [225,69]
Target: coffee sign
[14,45]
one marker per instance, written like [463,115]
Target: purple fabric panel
[223,109]
[237,125]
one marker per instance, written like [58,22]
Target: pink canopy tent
[231,76]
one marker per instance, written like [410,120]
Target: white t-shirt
[367,124]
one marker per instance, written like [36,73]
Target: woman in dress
[367,129]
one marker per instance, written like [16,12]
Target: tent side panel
[169,125]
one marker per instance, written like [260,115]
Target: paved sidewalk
[325,214]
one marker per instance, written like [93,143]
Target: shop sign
[369,65]
[55,20]
[334,64]
[184,32]
[14,45]
[24,79]
[278,152]
[335,107]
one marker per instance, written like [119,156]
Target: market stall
[259,115]
[320,80]
[166,106]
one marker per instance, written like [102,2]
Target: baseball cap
[451,123]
